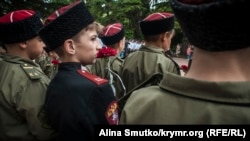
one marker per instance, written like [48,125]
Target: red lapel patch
[96,79]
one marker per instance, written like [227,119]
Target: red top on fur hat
[59,12]
[158,16]
[112,29]
[19,25]
[16,16]
[157,23]
[112,33]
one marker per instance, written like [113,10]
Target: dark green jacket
[145,62]
[181,100]
[23,88]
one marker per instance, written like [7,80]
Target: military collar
[17,60]
[70,66]
[151,49]
[221,92]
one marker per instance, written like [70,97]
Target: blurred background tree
[128,12]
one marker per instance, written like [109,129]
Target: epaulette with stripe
[96,79]
[30,71]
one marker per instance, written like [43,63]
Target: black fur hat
[214,25]
[18,26]
[157,23]
[65,23]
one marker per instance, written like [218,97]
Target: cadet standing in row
[215,89]
[23,85]
[76,100]
[157,30]
[108,65]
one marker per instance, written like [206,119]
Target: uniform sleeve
[29,102]
[104,105]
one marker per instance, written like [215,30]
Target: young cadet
[215,89]
[157,30]
[76,100]
[108,64]
[23,85]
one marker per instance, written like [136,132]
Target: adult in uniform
[157,30]
[23,85]
[76,100]
[215,90]
[108,65]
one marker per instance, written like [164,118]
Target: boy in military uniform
[76,100]
[157,30]
[23,85]
[108,65]
[215,89]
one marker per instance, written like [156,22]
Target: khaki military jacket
[23,87]
[100,68]
[181,100]
[140,65]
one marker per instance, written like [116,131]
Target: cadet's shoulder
[146,94]
[9,65]
[91,77]
[30,71]
[117,60]
[18,71]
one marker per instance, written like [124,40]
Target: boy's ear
[23,45]
[122,43]
[163,36]
[69,46]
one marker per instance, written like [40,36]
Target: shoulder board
[96,79]
[30,71]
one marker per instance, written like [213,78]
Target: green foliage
[39,5]
[128,12]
